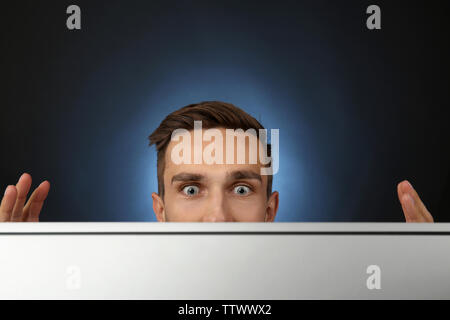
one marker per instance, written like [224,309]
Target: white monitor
[238,261]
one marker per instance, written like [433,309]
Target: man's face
[214,192]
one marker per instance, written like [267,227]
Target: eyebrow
[245,174]
[184,176]
[235,175]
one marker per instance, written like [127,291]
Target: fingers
[410,210]
[413,207]
[7,204]
[34,205]
[12,205]
[23,187]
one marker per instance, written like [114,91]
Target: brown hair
[213,114]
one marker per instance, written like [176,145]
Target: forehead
[205,148]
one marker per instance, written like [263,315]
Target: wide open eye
[191,190]
[241,190]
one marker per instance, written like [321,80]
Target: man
[197,191]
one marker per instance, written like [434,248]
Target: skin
[13,207]
[199,193]
[223,192]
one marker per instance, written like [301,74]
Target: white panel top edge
[131,227]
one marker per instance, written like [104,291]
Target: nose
[217,208]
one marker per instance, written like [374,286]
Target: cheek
[252,209]
[180,209]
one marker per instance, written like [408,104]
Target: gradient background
[358,110]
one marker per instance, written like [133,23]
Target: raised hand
[13,207]
[413,208]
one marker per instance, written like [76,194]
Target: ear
[158,207]
[272,207]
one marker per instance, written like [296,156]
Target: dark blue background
[358,110]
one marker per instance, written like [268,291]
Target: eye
[241,190]
[191,190]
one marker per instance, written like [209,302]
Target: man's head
[193,191]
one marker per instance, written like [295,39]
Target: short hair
[213,114]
